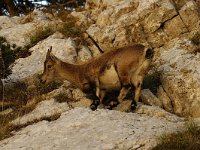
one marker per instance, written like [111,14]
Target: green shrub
[40,35]
[19,93]
[69,30]
[46,88]
[152,82]
[7,55]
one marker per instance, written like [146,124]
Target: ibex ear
[52,57]
[49,52]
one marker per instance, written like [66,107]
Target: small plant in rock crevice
[196,38]
[152,81]
[7,55]
[61,97]
[10,52]
[40,34]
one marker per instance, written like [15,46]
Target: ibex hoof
[93,107]
[133,107]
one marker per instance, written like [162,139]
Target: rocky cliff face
[167,26]
[1,74]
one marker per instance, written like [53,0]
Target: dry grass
[18,97]
[6,129]
[28,18]
[69,28]
[61,97]
[196,38]
[188,139]
[40,34]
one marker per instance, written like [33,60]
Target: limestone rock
[179,3]
[119,25]
[166,102]
[180,76]
[83,17]
[149,98]
[157,38]
[190,15]
[84,54]
[6,112]
[18,34]
[84,129]
[45,109]
[155,111]
[83,102]
[164,11]
[115,12]
[18,30]
[175,27]
[124,106]
[100,3]
[64,49]
[7,22]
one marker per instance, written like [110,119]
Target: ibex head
[51,66]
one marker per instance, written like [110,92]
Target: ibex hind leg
[136,89]
[100,94]
[123,93]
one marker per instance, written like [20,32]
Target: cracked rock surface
[81,128]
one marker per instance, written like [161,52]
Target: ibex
[114,70]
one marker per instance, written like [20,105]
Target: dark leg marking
[95,104]
[133,102]
[133,105]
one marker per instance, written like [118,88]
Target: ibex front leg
[123,93]
[125,86]
[99,96]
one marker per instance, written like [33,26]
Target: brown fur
[117,69]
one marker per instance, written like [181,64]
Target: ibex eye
[49,66]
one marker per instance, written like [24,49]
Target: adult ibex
[114,70]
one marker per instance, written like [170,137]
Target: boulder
[19,31]
[166,101]
[175,23]
[188,10]
[181,76]
[19,34]
[44,110]
[83,17]
[149,98]
[119,24]
[84,129]
[7,22]
[84,54]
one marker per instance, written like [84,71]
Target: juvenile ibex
[114,70]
